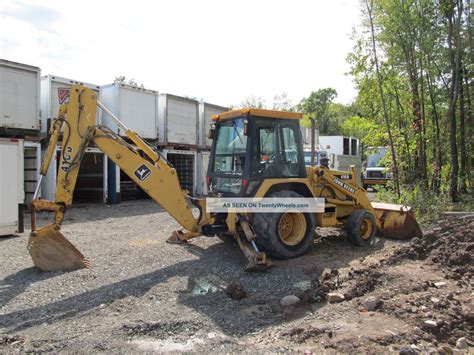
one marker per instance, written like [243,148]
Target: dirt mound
[437,307]
[449,245]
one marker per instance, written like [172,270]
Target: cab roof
[258,112]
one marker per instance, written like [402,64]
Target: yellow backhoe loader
[255,153]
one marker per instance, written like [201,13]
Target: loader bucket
[51,251]
[397,221]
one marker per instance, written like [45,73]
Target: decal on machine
[142,172]
[63,95]
[343,185]
[67,158]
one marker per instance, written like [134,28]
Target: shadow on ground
[232,317]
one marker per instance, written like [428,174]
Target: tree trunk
[384,106]
[469,131]
[437,154]
[462,137]
[453,96]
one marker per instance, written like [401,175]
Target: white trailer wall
[32,165]
[177,120]
[11,186]
[91,183]
[19,96]
[54,93]
[137,108]
[206,112]
[340,145]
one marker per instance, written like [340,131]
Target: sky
[215,50]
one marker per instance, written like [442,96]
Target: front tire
[361,228]
[284,235]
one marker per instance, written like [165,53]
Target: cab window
[289,151]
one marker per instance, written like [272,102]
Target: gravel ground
[142,294]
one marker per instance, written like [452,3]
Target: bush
[426,204]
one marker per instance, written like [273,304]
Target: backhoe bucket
[398,221]
[51,251]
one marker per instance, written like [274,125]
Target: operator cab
[252,145]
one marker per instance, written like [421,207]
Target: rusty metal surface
[397,221]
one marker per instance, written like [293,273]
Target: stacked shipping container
[19,129]
[178,126]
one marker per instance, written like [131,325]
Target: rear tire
[361,228]
[284,235]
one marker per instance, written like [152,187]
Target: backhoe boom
[140,162]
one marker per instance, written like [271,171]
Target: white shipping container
[177,120]
[32,165]
[137,108]
[19,96]
[202,164]
[11,186]
[206,112]
[92,180]
[55,92]
[340,145]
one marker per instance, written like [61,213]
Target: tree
[132,82]
[253,102]
[382,97]
[282,102]
[317,105]
[409,64]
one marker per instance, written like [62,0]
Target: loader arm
[392,221]
[140,162]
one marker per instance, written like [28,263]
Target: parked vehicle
[376,173]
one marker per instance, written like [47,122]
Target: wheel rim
[292,228]
[366,227]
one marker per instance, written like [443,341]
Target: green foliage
[317,105]
[427,205]
[364,129]
[416,67]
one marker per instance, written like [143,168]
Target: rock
[236,291]
[430,324]
[445,350]
[371,303]
[289,300]
[335,297]
[461,343]
[440,284]
[424,308]
[328,274]
[407,350]
[436,301]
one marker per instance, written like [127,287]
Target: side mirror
[212,132]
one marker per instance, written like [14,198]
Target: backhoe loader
[255,153]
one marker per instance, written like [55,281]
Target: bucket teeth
[51,251]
